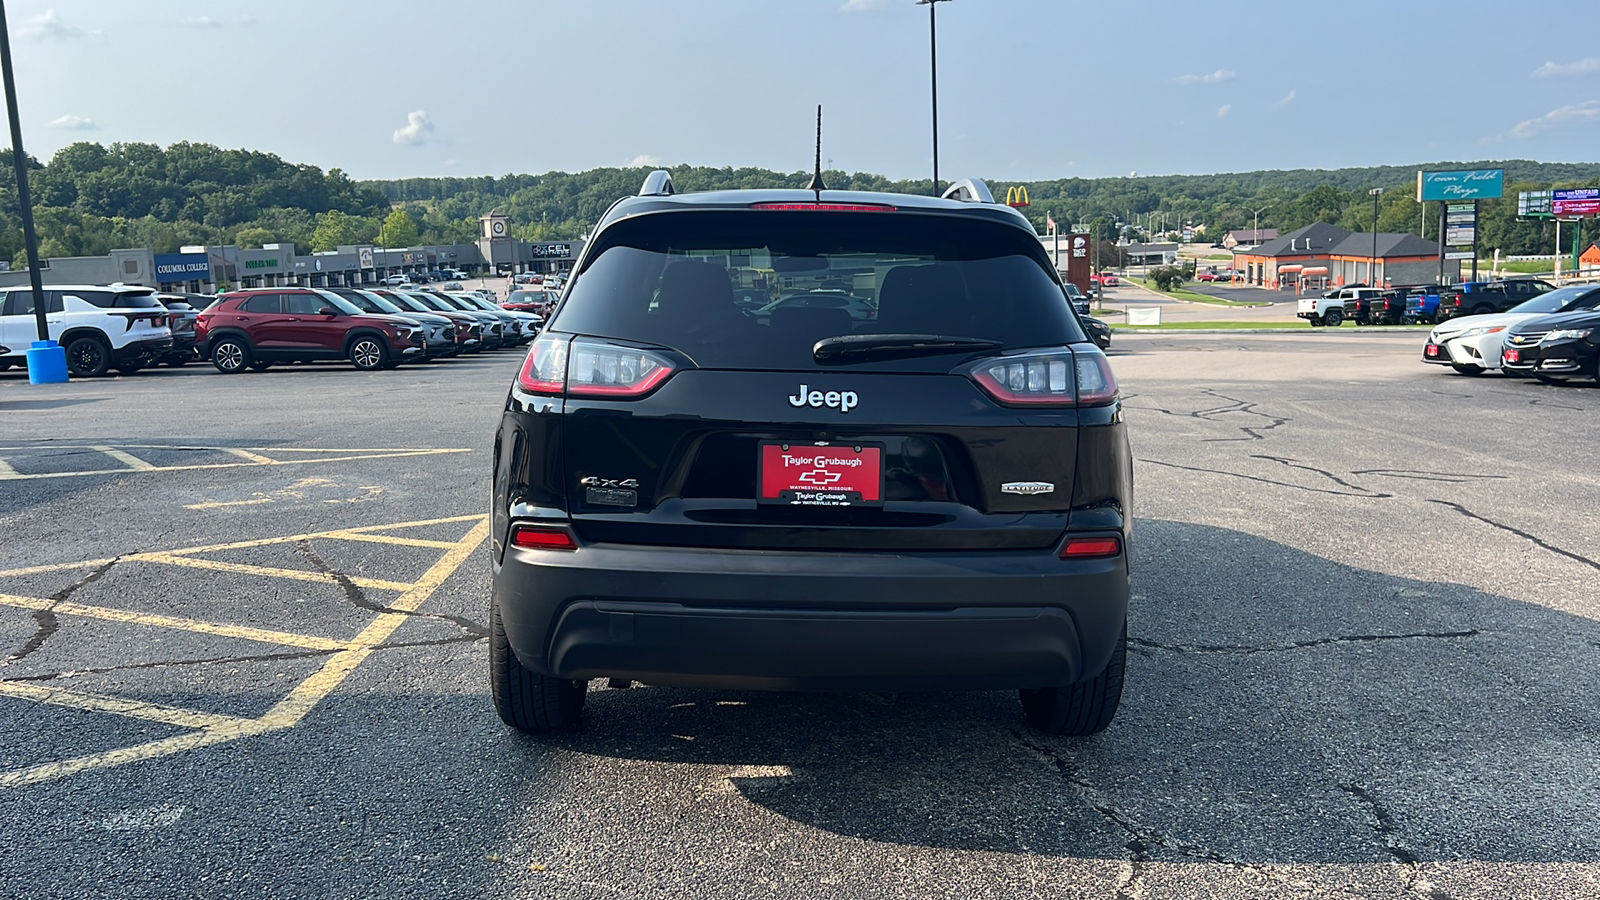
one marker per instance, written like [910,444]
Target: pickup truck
[1389,307]
[1478,298]
[1333,307]
[1358,302]
[1422,304]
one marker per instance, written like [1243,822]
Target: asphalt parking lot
[242,622]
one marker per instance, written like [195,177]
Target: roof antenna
[816,177]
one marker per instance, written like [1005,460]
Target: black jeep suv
[925,488]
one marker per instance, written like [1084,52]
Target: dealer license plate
[1432,352]
[1513,356]
[798,474]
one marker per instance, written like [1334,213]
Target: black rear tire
[87,357]
[1084,708]
[231,355]
[1334,318]
[528,702]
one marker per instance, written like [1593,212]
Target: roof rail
[968,190]
[657,184]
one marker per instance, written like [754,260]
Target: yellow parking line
[269,571]
[246,454]
[386,539]
[238,465]
[289,711]
[133,709]
[216,505]
[242,632]
[127,459]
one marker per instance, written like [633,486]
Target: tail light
[1091,548]
[584,368]
[825,207]
[543,537]
[1079,376]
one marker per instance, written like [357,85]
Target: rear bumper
[812,620]
[141,351]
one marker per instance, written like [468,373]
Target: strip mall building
[1321,255]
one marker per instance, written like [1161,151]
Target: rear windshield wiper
[847,348]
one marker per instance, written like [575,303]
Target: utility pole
[1255,231]
[1372,266]
[47,361]
[933,70]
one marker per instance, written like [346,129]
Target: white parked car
[101,327]
[1474,344]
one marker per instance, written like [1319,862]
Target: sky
[1028,89]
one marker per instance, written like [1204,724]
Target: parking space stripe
[310,692]
[134,709]
[126,458]
[270,572]
[387,539]
[242,632]
[165,555]
[289,711]
[246,454]
[147,468]
[6,471]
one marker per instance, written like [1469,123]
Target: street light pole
[1372,265]
[933,69]
[1255,230]
[20,160]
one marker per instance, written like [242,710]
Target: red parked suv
[256,328]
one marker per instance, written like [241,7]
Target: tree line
[91,198]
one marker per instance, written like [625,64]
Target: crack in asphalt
[360,600]
[1384,826]
[1299,487]
[1296,464]
[1446,477]
[224,660]
[1541,542]
[45,619]
[1246,650]
[1142,839]
[1254,433]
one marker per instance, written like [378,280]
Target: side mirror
[327,311]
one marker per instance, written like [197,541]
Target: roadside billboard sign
[1579,202]
[1535,203]
[1467,184]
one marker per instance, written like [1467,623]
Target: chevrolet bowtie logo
[821,477]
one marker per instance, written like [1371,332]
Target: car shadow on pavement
[1280,708]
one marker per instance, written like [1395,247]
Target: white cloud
[1222,111]
[1288,99]
[74,123]
[645,160]
[864,5]
[1583,112]
[1581,67]
[415,134]
[49,26]
[1219,75]
[203,22]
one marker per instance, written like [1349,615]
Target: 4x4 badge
[627,483]
[1027,488]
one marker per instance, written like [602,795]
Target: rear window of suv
[689,281]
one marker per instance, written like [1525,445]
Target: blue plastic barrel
[47,363]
